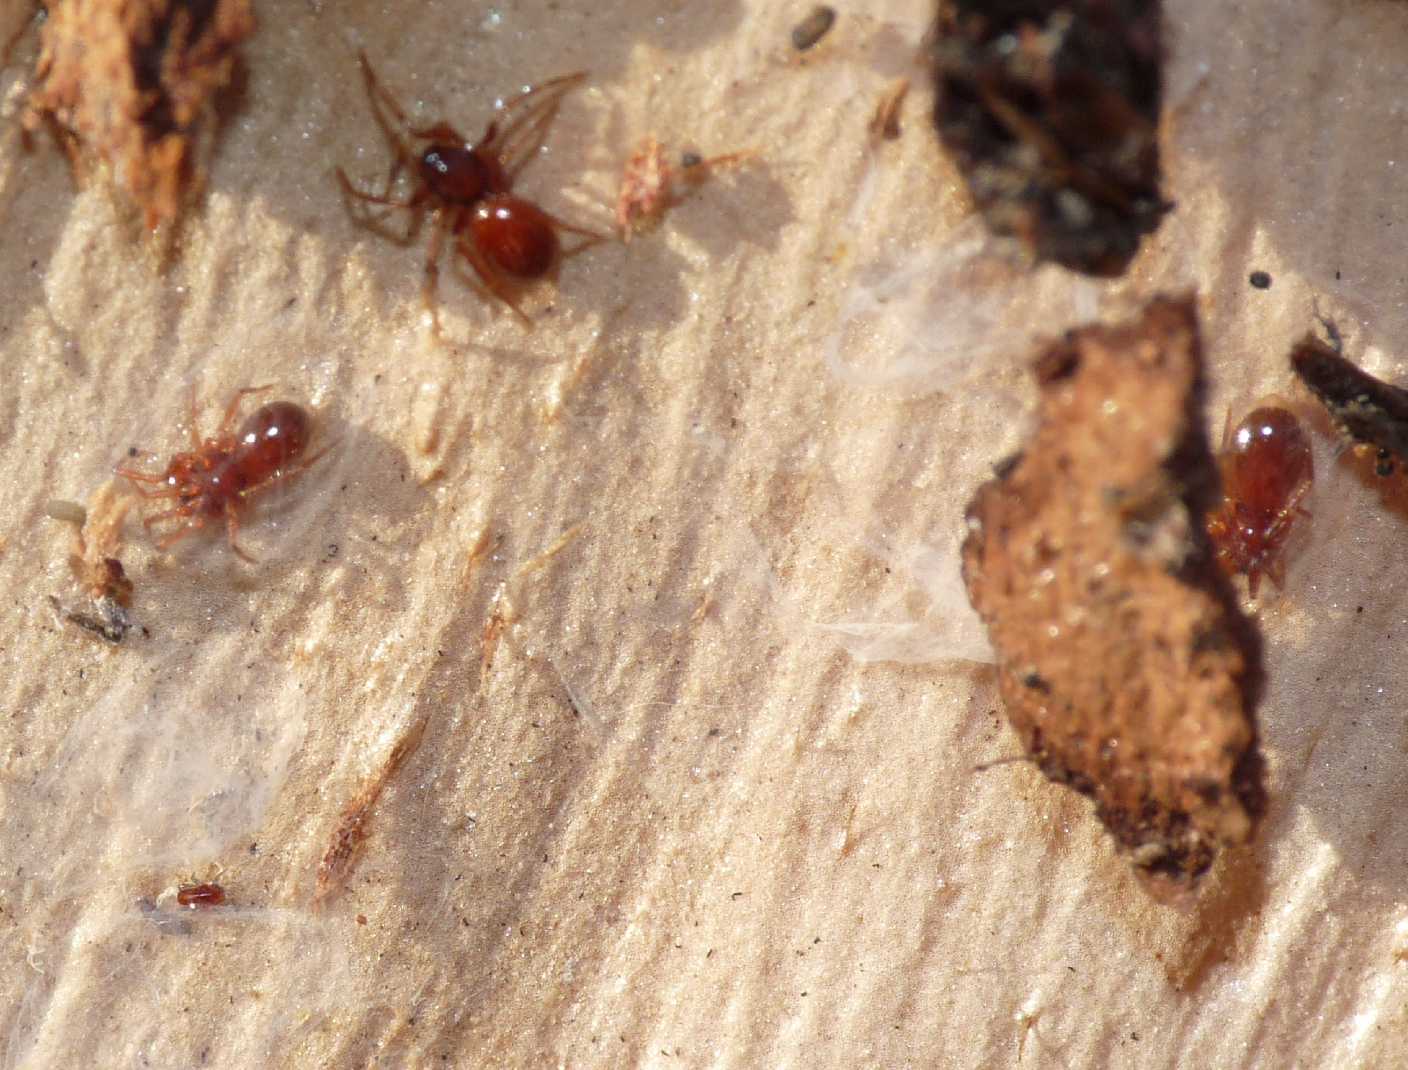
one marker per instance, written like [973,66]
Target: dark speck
[1260,280]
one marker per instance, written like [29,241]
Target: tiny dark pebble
[690,159]
[813,28]
[1260,279]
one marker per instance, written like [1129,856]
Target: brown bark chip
[1122,662]
[131,81]
[1051,109]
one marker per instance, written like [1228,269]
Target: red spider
[220,474]
[468,187]
[1267,470]
[204,895]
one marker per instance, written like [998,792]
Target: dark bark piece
[1123,663]
[1365,409]
[1050,109]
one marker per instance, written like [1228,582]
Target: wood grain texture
[755,836]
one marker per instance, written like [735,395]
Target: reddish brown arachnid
[217,477]
[206,894]
[1267,470]
[468,187]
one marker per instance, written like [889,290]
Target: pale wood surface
[759,839]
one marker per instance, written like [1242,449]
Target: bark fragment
[1050,109]
[1123,663]
[131,83]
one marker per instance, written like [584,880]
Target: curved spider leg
[376,222]
[1277,572]
[193,424]
[379,97]
[431,284]
[154,495]
[593,237]
[297,468]
[305,463]
[1253,579]
[232,527]
[232,409]
[490,278]
[167,514]
[519,138]
[442,132]
[349,191]
[138,478]
[194,523]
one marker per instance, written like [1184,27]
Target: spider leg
[167,514]
[515,143]
[1253,579]
[292,470]
[594,237]
[1226,431]
[375,222]
[516,154]
[352,192]
[392,174]
[304,464]
[430,286]
[1293,506]
[138,477]
[193,422]
[232,527]
[384,197]
[491,279]
[150,495]
[232,409]
[1277,572]
[442,132]
[379,97]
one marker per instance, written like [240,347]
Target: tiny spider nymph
[215,479]
[1267,470]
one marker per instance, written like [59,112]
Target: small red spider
[468,187]
[1267,470]
[219,474]
[204,895]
